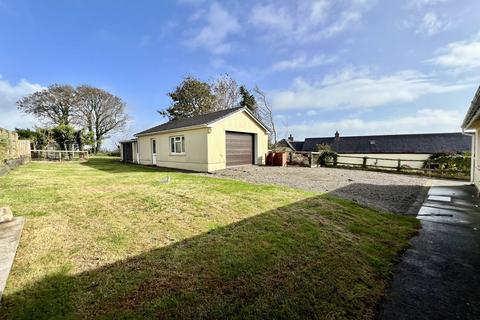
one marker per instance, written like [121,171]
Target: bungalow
[472,122]
[202,143]
[400,146]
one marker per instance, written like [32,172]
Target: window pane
[178,147]
[154,146]
[183,144]
[172,145]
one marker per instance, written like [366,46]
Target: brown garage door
[239,148]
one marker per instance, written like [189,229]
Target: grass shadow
[317,258]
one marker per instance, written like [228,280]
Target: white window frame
[173,140]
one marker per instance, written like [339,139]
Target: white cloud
[461,55]
[431,24]
[306,21]
[419,4]
[423,121]
[219,25]
[10,117]
[357,88]
[302,61]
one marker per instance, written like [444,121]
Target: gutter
[173,130]
[473,157]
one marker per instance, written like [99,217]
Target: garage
[239,148]
[206,142]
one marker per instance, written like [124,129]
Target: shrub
[328,158]
[323,147]
[445,161]
[64,135]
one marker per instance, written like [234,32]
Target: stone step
[6,214]
[10,233]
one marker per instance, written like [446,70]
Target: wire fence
[59,155]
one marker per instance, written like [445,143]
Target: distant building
[398,146]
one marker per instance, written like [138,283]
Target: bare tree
[227,94]
[265,112]
[100,112]
[55,105]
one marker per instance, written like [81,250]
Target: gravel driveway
[387,191]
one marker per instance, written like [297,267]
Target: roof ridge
[228,110]
[390,135]
[199,120]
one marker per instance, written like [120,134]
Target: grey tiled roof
[294,145]
[402,143]
[203,119]
[297,145]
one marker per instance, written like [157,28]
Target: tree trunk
[98,142]
[98,146]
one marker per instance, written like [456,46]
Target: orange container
[280,159]
[269,158]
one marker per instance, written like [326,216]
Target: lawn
[109,240]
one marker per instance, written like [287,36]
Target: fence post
[310,159]
[399,165]
[364,164]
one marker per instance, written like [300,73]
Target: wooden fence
[11,147]
[412,166]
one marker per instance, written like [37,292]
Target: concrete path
[439,277]
[10,233]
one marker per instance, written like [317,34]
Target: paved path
[439,277]
[10,233]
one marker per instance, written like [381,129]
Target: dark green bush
[327,158]
[450,162]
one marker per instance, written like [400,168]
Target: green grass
[108,240]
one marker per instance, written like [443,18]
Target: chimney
[337,136]
[290,138]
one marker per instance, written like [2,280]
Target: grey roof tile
[203,119]
[401,143]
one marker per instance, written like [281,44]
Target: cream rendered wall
[386,163]
[195,157]
[237,122]
[134,151]
[476,167]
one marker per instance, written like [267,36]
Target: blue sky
[356,66]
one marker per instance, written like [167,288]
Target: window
[154,146]
[177,145]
